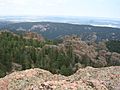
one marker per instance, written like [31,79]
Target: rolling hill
[54,30]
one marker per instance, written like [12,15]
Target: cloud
[9,3]
[98,8]
[30,6]
[30,2]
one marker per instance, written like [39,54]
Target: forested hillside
[113,46]
[52,30]
[64,57]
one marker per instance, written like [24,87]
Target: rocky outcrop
[115,59]
[41,28]
[96,55]
[108,76]
[33,35]
[84,79]
[80,47]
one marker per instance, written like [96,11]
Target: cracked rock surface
[88,78]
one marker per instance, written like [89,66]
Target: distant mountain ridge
[84,20]
[53,30]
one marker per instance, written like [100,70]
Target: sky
[91,8]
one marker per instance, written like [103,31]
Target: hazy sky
[95,8]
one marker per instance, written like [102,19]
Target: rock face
[84,79]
